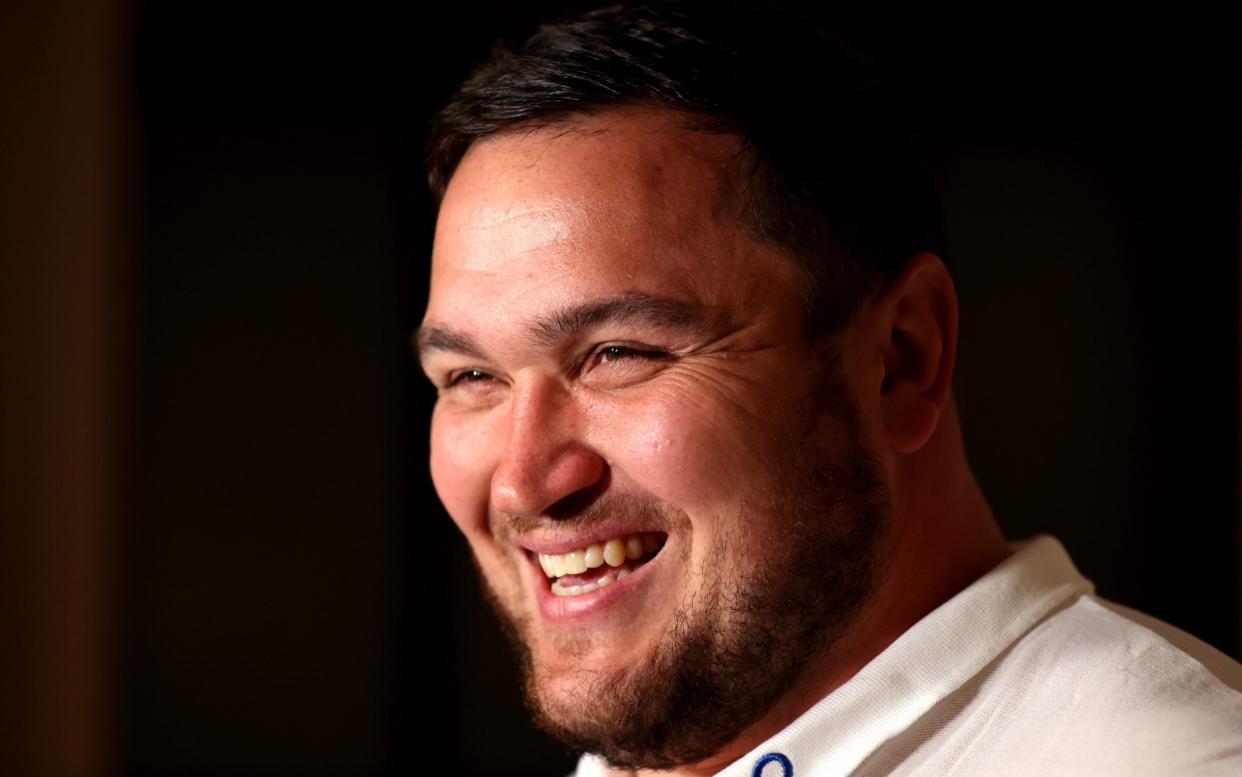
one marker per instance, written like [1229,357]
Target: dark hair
[828,173]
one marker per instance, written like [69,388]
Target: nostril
[530,481]
[579,501]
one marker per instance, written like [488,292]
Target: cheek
[462,460]
[681,447]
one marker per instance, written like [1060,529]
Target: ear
[918,341]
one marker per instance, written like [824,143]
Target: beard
[774,604]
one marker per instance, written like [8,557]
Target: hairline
[566,117]
[736,183]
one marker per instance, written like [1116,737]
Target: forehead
[627,200]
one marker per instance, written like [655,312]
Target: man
[694,344]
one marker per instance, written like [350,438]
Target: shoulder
[1167,642]
[1183,687]
[1104,689]
[1092,690]
[1135,655]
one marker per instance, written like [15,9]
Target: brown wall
[62,202]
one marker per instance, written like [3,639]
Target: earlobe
[919,315]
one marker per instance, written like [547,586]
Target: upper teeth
[614,553]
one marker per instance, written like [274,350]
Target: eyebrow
[432,337]
[628,308]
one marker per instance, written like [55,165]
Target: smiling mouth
[599,564]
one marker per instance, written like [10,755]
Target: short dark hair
[830,175]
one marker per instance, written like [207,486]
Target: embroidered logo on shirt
[780,758]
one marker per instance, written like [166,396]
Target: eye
[614,353]
[617,365]
[466,377]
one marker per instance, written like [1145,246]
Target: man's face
[618,361]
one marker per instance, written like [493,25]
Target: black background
[297,602]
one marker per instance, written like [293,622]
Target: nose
[546,458]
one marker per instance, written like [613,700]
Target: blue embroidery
[786,766]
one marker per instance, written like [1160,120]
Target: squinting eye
[610,353]
[468,376]
[619,366]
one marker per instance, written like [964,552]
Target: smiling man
[694,342]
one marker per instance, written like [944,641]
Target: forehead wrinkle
[524,223]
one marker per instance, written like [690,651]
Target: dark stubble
[743,645]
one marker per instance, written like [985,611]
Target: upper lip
[559,542]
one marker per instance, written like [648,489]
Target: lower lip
[577,610]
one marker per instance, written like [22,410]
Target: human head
[825,170]
[537,459]
[615,358]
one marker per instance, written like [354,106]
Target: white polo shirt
[1025,673]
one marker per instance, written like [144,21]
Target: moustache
[640,510]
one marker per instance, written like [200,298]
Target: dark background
[284,594]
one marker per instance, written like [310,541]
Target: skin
[537,421]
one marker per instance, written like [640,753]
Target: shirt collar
[921,667]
